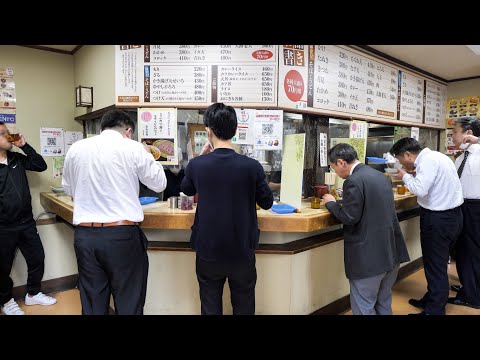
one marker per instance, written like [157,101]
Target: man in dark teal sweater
[225,232]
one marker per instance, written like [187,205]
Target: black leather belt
[471,201]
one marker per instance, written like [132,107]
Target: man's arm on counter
[150,173]
[351,211]
[263,194]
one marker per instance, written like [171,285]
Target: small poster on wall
[450,147]
[323,149]
[72,137]
[52,142]
[268,129]
[415,134]
[57,166]
[359,129]
[158,131]
[200,138]
[8,98]
[244,134]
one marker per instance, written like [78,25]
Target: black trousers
[24,237]
[468,253]
[438,233]
[112,261]
[242,278]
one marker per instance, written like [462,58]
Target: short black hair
[222,120]
[342,151]
[406,144]
[2,123]
[469,123]
[117,119]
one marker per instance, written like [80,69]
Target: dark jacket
[228,185]
[15,198]
[373,241]
[173,184]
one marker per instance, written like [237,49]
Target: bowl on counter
[391,171]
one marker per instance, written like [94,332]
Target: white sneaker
[39,299]
[12,308]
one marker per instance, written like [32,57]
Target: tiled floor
[413,286]
[68,303]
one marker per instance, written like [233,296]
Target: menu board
[196,75]
[330,79]
[8,97]
[435,97]
[336,79]
[463,106]
[411,98]
[323,79]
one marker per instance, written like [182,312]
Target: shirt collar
[354,166]
[111,133]
[422,153]
[473,148]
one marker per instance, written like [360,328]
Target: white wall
[95,67]
[45,98]
[464,88]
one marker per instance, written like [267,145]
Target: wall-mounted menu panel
[331,79]
[324,79]
[339,80]
[196,75]
[435,100]
[411,98]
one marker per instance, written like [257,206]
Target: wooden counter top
[159,216]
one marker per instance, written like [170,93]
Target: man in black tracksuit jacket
[17,226]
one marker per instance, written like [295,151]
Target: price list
[349,82]
[435,99]
[381,90]
[411,100]
[218,54]
[166,86]
[246,84]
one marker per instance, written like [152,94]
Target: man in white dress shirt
[102,175]
[468,244]
[440,197]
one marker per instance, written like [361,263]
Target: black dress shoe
[420,313]
[456,301]
[417,303]
[455,288]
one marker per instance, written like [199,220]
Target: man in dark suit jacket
[374,244]
[225,231]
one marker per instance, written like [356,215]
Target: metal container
[173,202]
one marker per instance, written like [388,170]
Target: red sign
[294,85]
[262,54]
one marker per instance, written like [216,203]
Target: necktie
[462,165]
